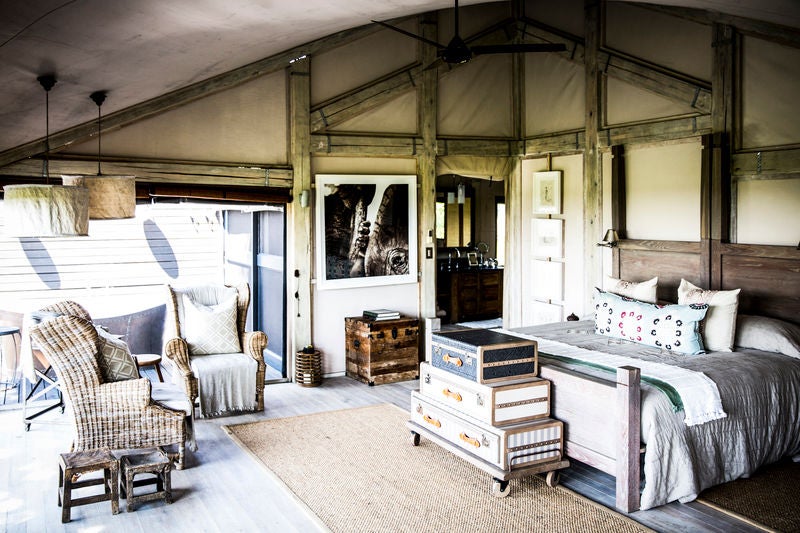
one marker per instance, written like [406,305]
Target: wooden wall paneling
[669,260]
[300,237]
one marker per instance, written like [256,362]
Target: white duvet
[759,391]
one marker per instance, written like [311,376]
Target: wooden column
[592,166]
[629,409]
[618,199]
[427,105]
[300,241]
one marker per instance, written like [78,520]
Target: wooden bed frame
[769,277]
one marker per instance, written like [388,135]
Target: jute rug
[357,470]
[769,499]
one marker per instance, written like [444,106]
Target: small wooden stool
[150,359]
[75,463]
[156,463]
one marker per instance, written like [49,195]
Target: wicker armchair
[117,415]
[177,350]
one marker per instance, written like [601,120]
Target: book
[381,314]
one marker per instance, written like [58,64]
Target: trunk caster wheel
[553,477]
[414,438]
[500,489]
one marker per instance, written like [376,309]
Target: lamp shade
[110,196]
[45,211]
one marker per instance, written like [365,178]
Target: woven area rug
[356,470]
[769,499]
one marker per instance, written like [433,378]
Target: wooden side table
[149,359]
[73,464]
[156,463]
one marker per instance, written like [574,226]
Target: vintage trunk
[508,448]
[382,351]
[500,404]
[484,355]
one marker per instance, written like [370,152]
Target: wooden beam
[723,123]
[300,238]
[427,113]
[555,142]
[678,87]
[766,164]
[664,130]
[184,95]
[242,174]
[757,28]
[628,481]
[706,212]
[592,167]
[618,207]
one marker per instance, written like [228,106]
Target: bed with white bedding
[759,392]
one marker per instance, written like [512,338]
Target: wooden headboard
[769,276]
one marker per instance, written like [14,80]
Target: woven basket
[308,369]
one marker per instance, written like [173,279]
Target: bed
[630,427]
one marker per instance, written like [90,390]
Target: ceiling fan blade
[409,34]
[517,48]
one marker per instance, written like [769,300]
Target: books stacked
[381,314]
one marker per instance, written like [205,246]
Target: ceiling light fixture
[36,210]
[110,196]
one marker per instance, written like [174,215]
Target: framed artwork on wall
[366,230]
[547,193]
[548,237]
[548,280]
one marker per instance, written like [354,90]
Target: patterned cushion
[673,327]
[644,291]
[719,327]
[115,360]
[210,329]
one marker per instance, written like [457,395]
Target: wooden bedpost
[629,411]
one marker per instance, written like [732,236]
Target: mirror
[453,221]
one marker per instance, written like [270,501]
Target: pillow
[644,291]
[114,358]
[674,327]
[210,329]
[719,326]
[768,334]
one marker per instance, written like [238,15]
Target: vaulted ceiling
[140,49]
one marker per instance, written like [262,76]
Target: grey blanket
[760,392]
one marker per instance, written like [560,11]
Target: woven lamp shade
[45,211]
[110,196]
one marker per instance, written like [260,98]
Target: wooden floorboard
[224,489]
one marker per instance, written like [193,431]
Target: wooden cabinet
[382,351]
[470,294]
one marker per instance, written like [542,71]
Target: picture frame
[547,192]
[472,258]
[548,280]
[366,230]
[548,237]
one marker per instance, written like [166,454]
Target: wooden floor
[224,489]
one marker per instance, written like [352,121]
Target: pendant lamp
[37,210]
[110,196]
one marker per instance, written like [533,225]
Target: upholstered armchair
[220,364]
[106,414]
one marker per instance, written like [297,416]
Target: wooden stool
[149,359]
[156,463]
[75,463]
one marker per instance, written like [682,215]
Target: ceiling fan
[457,50]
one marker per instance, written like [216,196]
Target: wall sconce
[304,194]
[461,193]
[610,239]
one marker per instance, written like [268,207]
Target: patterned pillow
[673,327]
[719,327]
[210,329]
[114,358]
[644,291]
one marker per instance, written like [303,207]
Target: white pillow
[719,327]
[644,291]
[210,329]
[768,334]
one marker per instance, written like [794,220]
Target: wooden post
[618,198]
[592,178]
[427,105]
[300,240]
[629,412]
